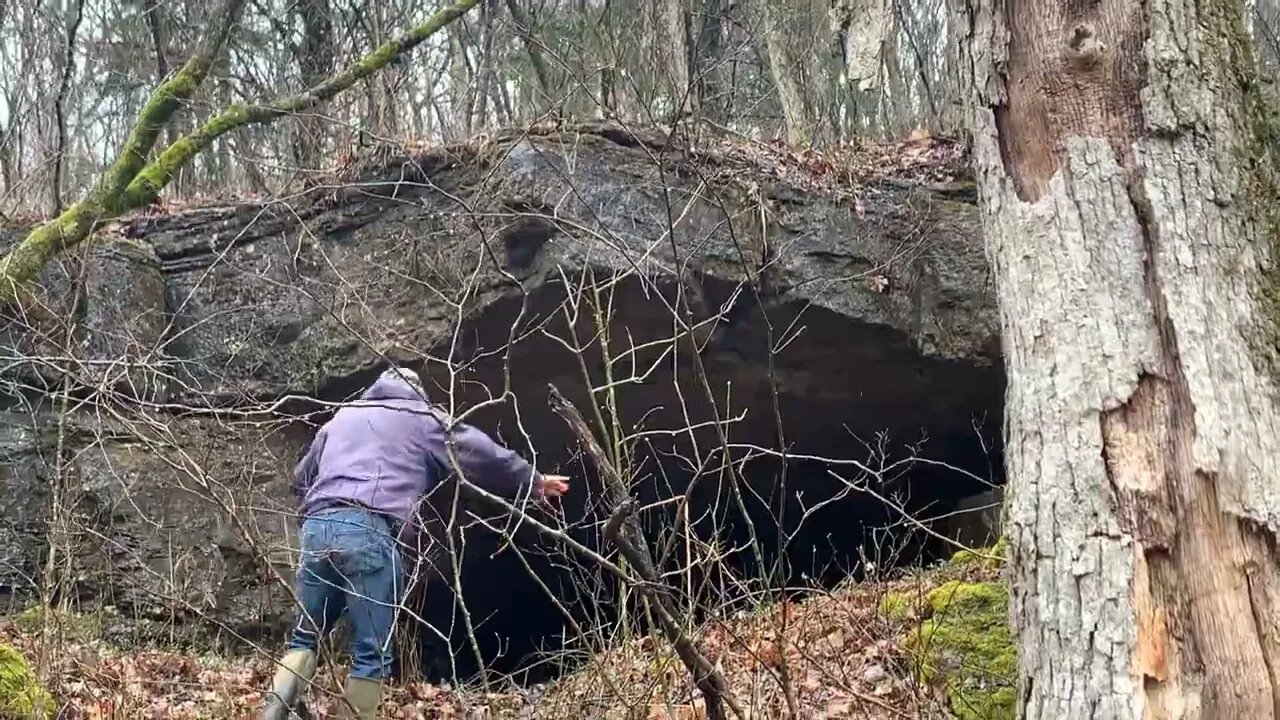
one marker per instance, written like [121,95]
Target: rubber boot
[363,695]
[297,667]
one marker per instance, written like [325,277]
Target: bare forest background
[75,73]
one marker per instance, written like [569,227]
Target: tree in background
[804,69]
[137,175]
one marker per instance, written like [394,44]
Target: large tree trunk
[863,28]
[316,57]
[668,38]
[769,23]
[1128,197]
[708,56]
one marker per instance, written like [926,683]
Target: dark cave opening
[827,533]
[865,417]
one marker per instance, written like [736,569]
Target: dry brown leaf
[840,706]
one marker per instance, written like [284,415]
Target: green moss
[379,58]
[148,181]
[131,181]
[895,606]
[20,693]
[151,179]
[991,558]
[72,625]
[966,646]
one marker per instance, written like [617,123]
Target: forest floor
[864,650]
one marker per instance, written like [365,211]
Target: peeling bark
[1141,427]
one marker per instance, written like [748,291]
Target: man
[358,485]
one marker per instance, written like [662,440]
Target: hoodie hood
[397,383]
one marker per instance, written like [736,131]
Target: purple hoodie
[386,450]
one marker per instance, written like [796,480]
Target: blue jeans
[349,563]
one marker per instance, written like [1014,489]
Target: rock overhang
[861,312]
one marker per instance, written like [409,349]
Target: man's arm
[307,469]
[489,465]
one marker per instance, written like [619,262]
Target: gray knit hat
[406,374]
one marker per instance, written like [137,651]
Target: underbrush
[928,644]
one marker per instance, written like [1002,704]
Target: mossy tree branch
[130,182]
[162,104]
[148,184]
[77,222]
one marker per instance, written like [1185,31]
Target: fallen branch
[615,490]
[624,532]
[709,680]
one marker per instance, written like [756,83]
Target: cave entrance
[811,523]
[844,448]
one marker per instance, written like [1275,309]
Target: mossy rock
[990,558]
[966,646]
[71,625]
[896,606]
[21,696]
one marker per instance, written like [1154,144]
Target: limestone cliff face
[197,343]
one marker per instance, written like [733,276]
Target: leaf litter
[841,657]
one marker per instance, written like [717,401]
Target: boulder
[976,521]
[855,319]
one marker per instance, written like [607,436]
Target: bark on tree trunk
[670,49]
[768,20]
[484,69]
[60,106]
[524,28]
[1113,144]
[152,9]
[708,57]
[316,59]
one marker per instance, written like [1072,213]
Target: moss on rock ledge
[895,606]
[21,696]
[959,638]
[990,558]
[39,619]
[966,646]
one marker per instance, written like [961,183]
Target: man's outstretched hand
[554,486]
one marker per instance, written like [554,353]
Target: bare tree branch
[131,183]
[60,102]
[77,222]
[623,530]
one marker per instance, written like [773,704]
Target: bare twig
[625,533]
